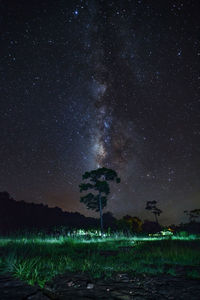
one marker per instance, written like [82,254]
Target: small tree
[98,179]
[151,206]
[132,224]
[193,214]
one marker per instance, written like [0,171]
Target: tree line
[21,215]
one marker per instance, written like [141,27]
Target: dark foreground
[122,286]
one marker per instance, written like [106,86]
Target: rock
[122,286]
[37,296]
[15,289]
[90,286]
[123,277]
[70,283]
[121,295]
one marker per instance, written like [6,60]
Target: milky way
[86,84]
[113,136]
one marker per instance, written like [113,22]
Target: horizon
[87,84]
[88,213]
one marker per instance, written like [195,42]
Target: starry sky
[87,84]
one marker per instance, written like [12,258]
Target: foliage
[183,234]
[193,214]
[22,216]
[98,182]
[99,185]
[151,206]
[130,224]
[38,260]
[151,227]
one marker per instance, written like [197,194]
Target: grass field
[37,260]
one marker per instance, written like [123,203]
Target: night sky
[86,84]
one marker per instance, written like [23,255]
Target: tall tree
[151,206]
[98,182]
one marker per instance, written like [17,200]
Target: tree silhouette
[193,214]
[151,206]
[98,179]
[132,224]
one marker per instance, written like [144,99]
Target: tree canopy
[98,181]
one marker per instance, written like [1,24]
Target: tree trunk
[156,218]
[100,210]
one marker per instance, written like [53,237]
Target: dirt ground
[121,286]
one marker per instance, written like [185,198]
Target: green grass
[37,260]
